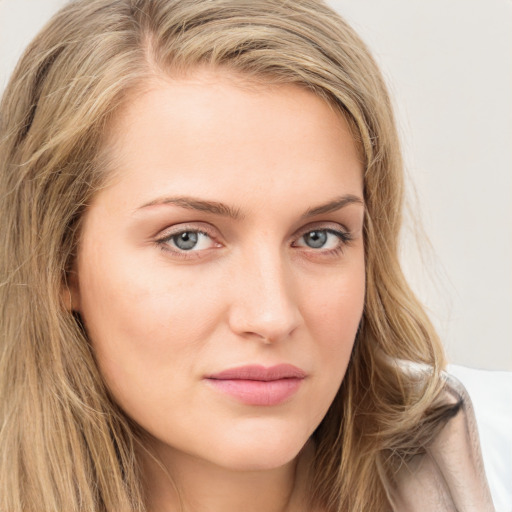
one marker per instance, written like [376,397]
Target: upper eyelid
[210,231]
[326,225]
[181,228]
[215,234]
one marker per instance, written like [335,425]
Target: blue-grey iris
[186,240]
[315,239]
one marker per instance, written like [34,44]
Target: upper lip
[259,372]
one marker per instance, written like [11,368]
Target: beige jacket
[450,477]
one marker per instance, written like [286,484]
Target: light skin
[230,235]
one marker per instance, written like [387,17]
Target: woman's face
[220,275]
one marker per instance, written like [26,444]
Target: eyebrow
[216,208]
[192,203]
[334,205]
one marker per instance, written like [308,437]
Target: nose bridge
[264,304]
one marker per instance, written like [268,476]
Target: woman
[202,305]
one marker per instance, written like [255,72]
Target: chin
[263,451]
[248,461]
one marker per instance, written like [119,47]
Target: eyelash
[163,242]
[345,238]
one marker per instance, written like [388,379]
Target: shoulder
[449,476]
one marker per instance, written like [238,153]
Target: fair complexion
[230,235]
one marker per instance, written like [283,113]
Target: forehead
[213,132]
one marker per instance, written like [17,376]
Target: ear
[70,292]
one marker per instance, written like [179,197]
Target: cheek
[147,331]
[333,313]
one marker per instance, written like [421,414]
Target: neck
[186,483]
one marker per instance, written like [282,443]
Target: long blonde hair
[64,444]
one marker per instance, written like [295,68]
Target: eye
[189,241]
[326,239]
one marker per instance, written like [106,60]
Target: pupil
[185,241]
[316,239]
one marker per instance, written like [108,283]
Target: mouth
[258,385]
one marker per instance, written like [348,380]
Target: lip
[259,385]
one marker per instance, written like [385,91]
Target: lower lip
[258,392]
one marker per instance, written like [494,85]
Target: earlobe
[70,293]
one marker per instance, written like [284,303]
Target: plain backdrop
[448,64]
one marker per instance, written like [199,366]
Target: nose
[264,305]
